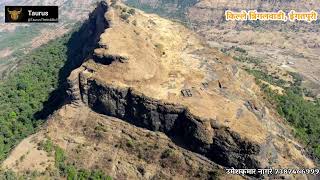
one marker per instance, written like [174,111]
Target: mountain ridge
[141,88]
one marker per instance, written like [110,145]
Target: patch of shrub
[46,145]
[132,11]
[266,77]
[124,16]
[303,115]
[71,172]
[166,153]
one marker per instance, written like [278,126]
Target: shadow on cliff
[83,40]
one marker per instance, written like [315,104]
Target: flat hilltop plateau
[273,47]
[152,100]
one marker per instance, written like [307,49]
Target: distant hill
[282,46]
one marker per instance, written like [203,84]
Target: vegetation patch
[46,145]
[126,13]
[274,80]
[302,114]
[23,93]
[71,172]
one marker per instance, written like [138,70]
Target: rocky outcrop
[80,47]
[82,44]
[87,37]
[216,142]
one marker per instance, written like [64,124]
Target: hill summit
[152,100]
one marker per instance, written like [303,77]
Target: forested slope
[23,93]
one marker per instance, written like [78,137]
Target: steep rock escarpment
[86,39]
[80,47]
[222,145]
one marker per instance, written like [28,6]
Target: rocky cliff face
[222,145]
[87,37]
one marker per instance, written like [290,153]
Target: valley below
[18,39]
[279,46]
